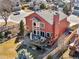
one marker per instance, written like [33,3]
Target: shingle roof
[48,15]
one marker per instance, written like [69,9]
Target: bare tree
[5,9]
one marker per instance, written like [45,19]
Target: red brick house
[47,23]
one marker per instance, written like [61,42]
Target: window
[34,24]
[37,32]
[34,32]
[48,34]
[42,34]
[35,19]
[42,25]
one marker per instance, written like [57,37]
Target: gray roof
[73,19]
[48,15]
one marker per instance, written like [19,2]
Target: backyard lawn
[8,49]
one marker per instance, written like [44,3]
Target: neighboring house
[25,1]
[76,7]
[66,1]
[76,3]
[73,19]
[61,6]
[35,4]
[15,2]
[16,5]
[47,24]
[76,11]
[38,1]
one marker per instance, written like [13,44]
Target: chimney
[56,17]
[55,24]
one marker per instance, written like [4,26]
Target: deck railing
[59,50]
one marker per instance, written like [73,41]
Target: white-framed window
[36,32]
[42,33]
[36,22]
[48,34]
[35,19]
[42,25]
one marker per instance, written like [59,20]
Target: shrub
[49,57]
[1,35]
[42,6]
[7,33]
[21,28]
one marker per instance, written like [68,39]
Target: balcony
[38,38]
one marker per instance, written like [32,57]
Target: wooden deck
[63,47]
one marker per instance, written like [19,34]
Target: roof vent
[56,13]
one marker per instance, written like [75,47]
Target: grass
[8,49]
[14,30]
[8,24]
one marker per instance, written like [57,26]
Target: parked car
[16,13]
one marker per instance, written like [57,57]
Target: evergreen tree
[21,28]
[66,10]
[1,36]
